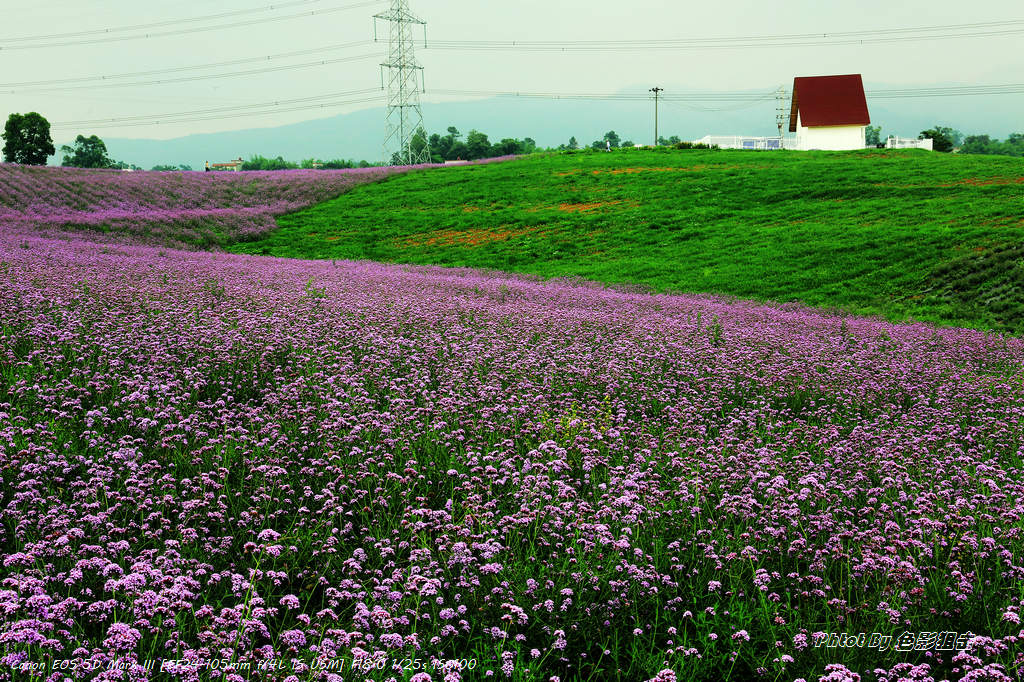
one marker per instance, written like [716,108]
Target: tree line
[476,145]
[946,139]
[262,163]
[27,141]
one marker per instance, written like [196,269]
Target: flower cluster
[198,456]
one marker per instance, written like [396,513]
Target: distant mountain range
[359,135]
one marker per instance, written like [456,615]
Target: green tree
[437,148]
[419,144]
[87,152]
[477,145]
[983,144]
[443,147]
[506,147]
[527,146]
[612,137]
[27,139]
[573,144]
[1014,145]
[873,136]
[979,144]
[943,139]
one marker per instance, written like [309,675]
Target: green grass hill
[912,234]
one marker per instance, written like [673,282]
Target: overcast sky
[986,60]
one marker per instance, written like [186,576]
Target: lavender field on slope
[451,475]
[183,208]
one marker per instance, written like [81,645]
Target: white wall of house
[834,138]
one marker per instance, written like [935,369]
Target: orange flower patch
[980,182]
[333,239]
[580,208]
[630,171]
[471,237]
[974,182]
[1004,221]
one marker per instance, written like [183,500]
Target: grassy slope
[903,234]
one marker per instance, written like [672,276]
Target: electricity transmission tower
[405,76]
[781,113]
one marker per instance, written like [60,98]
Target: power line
[275,110]
[708,96]
[197,29]
[304,103]
[158,24]
[944,32]
[689,106]
[951,91]
[178,69]
[885,93]
[209,76]
[238,107]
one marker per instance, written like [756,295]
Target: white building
[895,142]
[829,112]
[746,142]
[233,165]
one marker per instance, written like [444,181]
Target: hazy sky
[985,60]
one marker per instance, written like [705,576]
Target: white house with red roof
[829,112]
[233,165]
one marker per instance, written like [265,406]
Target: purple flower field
[339,471]
[170,208]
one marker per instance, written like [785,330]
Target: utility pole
[405,77]
[781,113]
[656,91]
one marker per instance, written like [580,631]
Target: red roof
[829,101]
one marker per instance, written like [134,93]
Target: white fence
[895,142]
[748,142]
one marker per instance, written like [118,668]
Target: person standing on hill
[608,145]
[207,166]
